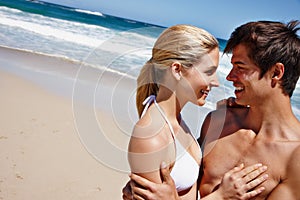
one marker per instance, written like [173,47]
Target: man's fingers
[137,197]
[140,181]
[127,195]
[139,193]
[165,173]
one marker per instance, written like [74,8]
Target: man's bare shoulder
[289,187]
[295,158]
[223,121]
[229,111]
[293,172]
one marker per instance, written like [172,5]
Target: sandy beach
[43,154]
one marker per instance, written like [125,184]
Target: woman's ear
[176,68]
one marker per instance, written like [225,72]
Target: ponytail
[146,85]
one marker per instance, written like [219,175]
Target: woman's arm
[239,182]
[141,188]
[149,145]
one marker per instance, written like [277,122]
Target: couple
[266,68]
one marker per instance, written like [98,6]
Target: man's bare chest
[222,156]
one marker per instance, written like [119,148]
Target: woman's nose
[215,82]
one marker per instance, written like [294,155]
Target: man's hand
[142,188]
[127,194]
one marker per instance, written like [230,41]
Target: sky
[220,17]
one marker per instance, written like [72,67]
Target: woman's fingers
[229,102]
[256,182]
[253,179]
[249,178]
[243,182]
[254,174]
[235,170]
[253,193]
[251,172]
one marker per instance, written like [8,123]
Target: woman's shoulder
[150,145]
[149,133]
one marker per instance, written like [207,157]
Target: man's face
[249,88]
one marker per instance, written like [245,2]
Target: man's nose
[230,76]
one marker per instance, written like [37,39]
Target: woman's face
[199,79]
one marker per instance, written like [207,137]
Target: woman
[182,69]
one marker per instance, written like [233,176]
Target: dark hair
[269,43]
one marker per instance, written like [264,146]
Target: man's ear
[278,71]
[176,69]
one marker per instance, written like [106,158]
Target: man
[266,68]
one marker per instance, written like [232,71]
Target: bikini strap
[147,102]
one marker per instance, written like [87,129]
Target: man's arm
[289,188]
[145,189]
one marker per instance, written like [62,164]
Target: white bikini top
[185,170]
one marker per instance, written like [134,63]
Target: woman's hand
[239,183]
[229,102]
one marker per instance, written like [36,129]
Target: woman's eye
[210,72]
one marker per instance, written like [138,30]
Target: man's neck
[271,117]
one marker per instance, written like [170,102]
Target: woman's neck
[168,101]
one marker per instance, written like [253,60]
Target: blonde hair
[183,43]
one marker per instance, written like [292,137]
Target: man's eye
[240,68]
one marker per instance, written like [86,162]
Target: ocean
[102,41]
